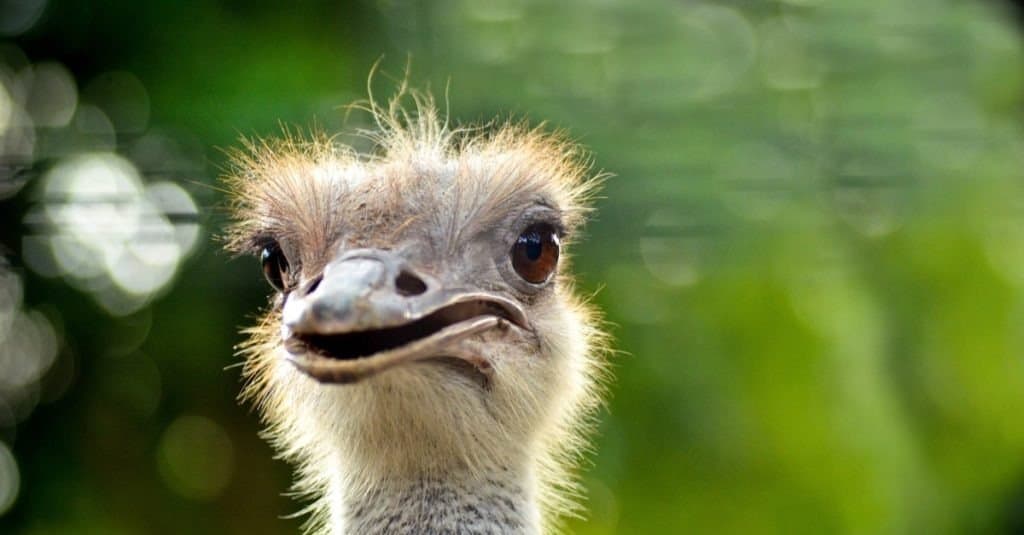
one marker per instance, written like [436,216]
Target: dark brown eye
[275,266]
[535,253]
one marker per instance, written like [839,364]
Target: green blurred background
[812,254]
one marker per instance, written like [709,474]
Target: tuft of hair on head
[272,178]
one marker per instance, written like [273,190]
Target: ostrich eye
[275,266]
[535,253]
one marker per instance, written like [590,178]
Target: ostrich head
[424,362]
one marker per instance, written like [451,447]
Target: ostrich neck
[499,502]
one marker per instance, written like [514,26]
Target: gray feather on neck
[495,504]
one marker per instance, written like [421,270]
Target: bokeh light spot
[54,95]
[196,458]
[96,129]
[28,348]
[174,202]
[6,108]
[757,180]
[28,351]
[491,11]
[786,60]
[726,48]
[10,479]
[111,234]
[671,250]
[18,16]
[17,131]
[122,97]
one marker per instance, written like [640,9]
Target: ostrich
[425,363]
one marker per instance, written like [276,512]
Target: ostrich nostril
[313,285]
[408,284]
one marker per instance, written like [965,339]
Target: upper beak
[370,311]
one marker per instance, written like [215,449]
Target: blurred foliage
[812,253]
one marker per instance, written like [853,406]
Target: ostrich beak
[370,311]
